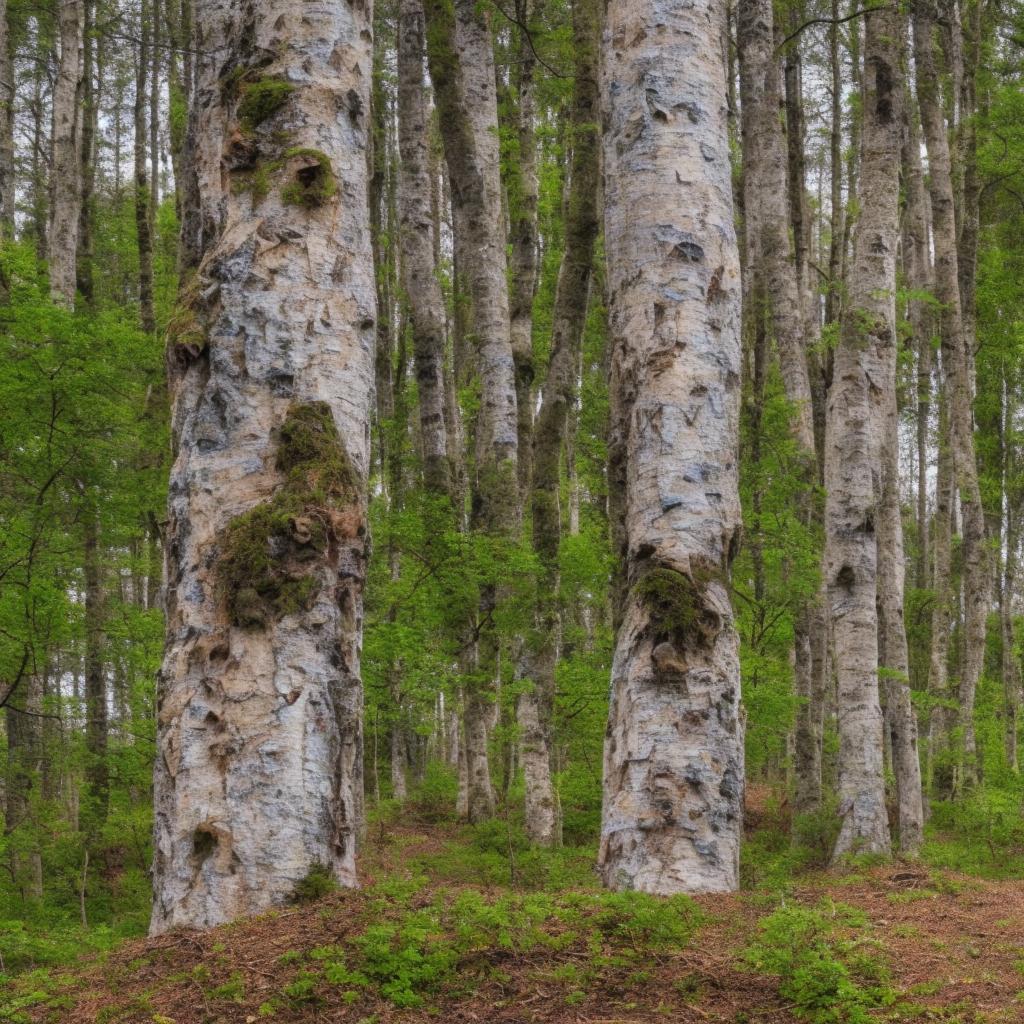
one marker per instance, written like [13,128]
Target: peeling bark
[259,766]
[673,763]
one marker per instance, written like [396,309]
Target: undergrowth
[412,948]
[827,966]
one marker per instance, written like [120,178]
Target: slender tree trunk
[523,197]
[66,185]
[97,771]
[778,307]
[673,762]
[536,704]
[1010,666]
[419,271]
[7,169]
[259,766]
[40,191]
[919,278]
[957,360]
[894,659]
[837,230]
[156,55]
[23,778]
[462,69]
[856,420]
[941,717]
[89,103]
[143,223]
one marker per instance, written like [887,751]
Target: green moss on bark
[261,99]
[677,605]
[271,554]
[313,183]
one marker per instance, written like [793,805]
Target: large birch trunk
[259,768]
[673,764]
[66,199]
[856,419]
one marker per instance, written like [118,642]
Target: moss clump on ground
[262,99]
[314,182]
[677,606]
[269,556]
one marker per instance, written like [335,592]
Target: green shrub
[318,883]
[828,978]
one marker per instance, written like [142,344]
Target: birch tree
[856,419]
[461,59]
[66,198]
[558,394]
[673,762]
[777,307]
[419,269]
[259,767]
[957,362]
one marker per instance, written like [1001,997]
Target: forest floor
[438,934]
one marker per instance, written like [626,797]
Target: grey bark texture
[673,761]
[461,59]
[7,181]
[778,307]
[558,396]
[259,765]
[420,283]
[856,419]
[66,197]
[957,364]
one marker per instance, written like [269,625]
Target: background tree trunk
[65,204]
[462,69]
[957,359]
[856,420]
[558,395]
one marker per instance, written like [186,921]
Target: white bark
[856,420]
[461,58]
[957,365]
[66,183]
[673,766]
[778,306]
[259,768]
[418,267]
